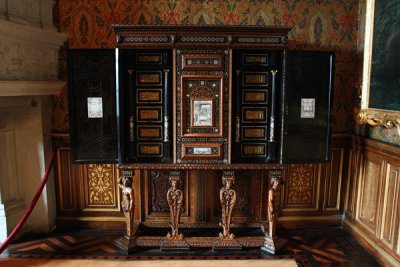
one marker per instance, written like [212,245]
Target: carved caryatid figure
[227,197]
[272,216]
[125,184]
[175,200]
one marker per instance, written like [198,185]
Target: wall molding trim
[379,253]
[30,88]
[32,36]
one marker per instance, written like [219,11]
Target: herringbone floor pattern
[331,247]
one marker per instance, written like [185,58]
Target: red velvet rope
[35,199]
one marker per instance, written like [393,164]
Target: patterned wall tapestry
[317,24]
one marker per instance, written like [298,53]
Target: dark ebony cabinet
[200,95]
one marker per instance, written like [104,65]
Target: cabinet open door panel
[92,105]
[307,104]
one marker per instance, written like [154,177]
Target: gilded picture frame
[374,110]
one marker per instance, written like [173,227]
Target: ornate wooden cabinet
[188,99]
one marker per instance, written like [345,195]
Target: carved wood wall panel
[372,197]
[369,191]
[333,181]
[390,209]
[354,170]
[101,188]
[67,198]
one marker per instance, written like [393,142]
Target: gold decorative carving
[227,196]
[175,200]
[375,118]
[101,184]
[300,185]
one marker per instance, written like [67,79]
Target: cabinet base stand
[226,245]
[273,244]
[174,245]
[126,244]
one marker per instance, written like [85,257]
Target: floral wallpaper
[317,24]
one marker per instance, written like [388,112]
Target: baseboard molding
[381,255]
[310,222]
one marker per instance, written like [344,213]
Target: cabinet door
[307,98]
[255,79]
[92,105]
[145,111]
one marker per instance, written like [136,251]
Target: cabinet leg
[128,242]
[227,196]
[273,243]
[175,200]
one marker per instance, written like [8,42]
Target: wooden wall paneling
[100,188]
[390,208]
[333,180]
[372,215]
[66,174]
[301,189]
[353,177]
[370,184]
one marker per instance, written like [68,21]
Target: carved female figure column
[175,200]
[273,243]
[227,196]
[128,242]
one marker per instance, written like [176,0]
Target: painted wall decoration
[317,24]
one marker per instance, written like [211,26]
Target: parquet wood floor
[328,247]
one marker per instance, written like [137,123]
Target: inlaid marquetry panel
[369,193]
[301,187]
[101,188]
